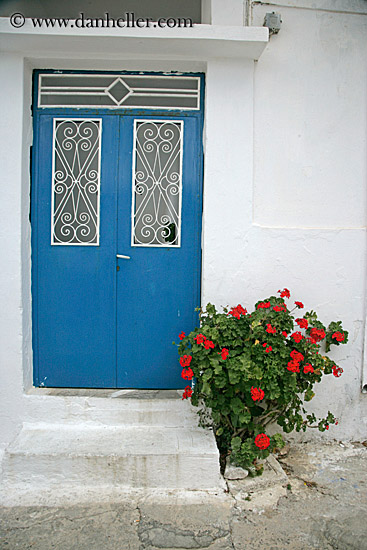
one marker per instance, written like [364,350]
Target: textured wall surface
[301,221]
[284,191]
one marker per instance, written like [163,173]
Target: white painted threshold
[105,393]
[201,42]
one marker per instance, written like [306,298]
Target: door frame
[95,112]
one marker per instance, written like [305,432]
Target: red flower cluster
[339,337]
[201,339]
[308,368]
[299,304]
[280,307]
[263,305]
[302,323]
[293,366]
[224,353]
[337,371]
[182,335]
[297,356]
[262,441]
[268,348]
[297,336]
[284,293]
[270,329]
[316,335]
[284,334]
[185,360]
[187,393]
[257,394]
[187,373]
[237,311]
[208,344]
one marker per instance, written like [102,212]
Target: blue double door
[116,248]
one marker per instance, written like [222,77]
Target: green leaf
[244,417]
[236,405]
[309,394]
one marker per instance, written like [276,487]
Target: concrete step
[110,407]
[118,456]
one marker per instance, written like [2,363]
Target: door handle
[122,256]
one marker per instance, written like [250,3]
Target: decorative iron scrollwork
[76,181]
[157,183]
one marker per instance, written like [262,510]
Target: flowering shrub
[254,369]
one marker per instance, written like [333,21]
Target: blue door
[116,247]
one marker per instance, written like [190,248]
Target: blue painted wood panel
[94,326]
[74,287]
[158,289]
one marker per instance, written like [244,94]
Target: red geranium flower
[317,334]
[187,374]
[302,323]
[182,335]
[296,356]
[237,311]
[284,293]
[269,348]
[270,329]
[224,353]
[284,334]
[326,426]
[187,393]
[185,360]
[293,366]
[200,338]
[297,336]
[280,307]
[308,368]
[339,337]
[262,441]
[263,305]
[299,304]
[257,394]
[337,371]
[208,344]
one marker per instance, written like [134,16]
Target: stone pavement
[321,503]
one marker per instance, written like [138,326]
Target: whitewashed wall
[301,222]
[284,197]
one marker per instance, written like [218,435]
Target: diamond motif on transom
[118,91]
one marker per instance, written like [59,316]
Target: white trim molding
[201,42]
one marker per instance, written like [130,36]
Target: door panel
[158,289]
[102,321]
[74,286]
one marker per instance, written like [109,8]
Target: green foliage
[253,370]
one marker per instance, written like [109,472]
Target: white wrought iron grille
[114,91]
[76,181]
[157,183]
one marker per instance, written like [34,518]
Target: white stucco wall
[13,169]
[284,185]
[300,222]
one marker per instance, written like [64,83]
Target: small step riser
[154,471]
[175,414]
[124,418]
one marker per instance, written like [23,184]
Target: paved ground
[322,504]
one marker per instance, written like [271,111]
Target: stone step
[118,456]
[110,407]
